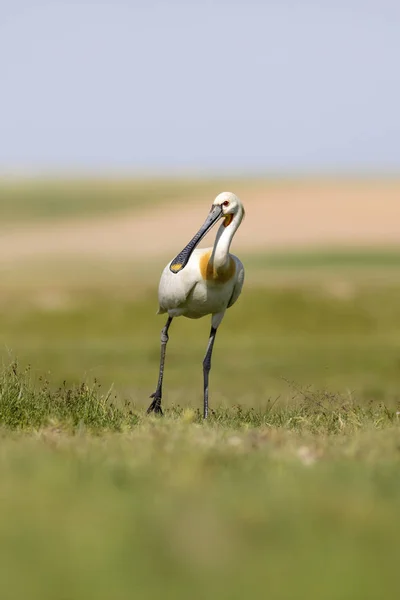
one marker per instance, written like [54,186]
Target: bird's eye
[226,203]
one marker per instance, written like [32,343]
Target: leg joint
[164,331]
[164,335]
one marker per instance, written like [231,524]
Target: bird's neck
[222,244]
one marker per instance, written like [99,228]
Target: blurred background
[119,124]
[120,121]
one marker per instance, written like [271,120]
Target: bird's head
[229,204]
[226,205]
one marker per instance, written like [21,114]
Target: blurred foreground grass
[299,502]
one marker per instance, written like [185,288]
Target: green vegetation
[343,259]
[344,339]
[289,491]
[26,404]
[291,487]
[302,501]
[29,200]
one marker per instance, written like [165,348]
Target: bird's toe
[155,406]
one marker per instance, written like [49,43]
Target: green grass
[344,259]
[291,490]
[273,341]
[28,402]
[301,500]
[20,201]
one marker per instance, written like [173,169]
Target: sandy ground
[281,216]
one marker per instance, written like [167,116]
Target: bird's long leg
[207,368]
[156,404]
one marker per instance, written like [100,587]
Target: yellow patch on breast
[228,220]
[209,273]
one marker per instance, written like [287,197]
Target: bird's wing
[174,289]
[238,283]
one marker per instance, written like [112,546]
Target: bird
[200,282]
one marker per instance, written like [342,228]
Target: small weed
[24,405]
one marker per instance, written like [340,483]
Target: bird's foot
[155,406]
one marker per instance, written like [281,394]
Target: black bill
[183,257]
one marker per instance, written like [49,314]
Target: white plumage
[205,281]
[188,294]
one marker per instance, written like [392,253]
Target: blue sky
[285,86]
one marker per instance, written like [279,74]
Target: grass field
[27,201]
[291,490]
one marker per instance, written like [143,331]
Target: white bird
[202,282]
